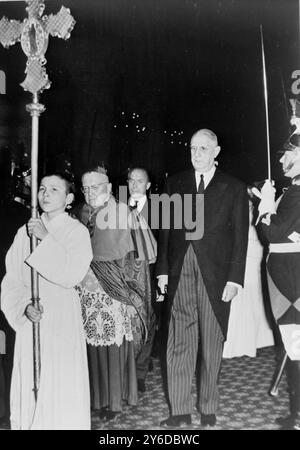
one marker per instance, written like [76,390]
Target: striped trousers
[193,327]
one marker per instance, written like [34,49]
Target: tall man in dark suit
[202,276]
[138,185]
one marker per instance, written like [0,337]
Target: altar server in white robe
[62,259]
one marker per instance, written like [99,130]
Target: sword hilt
[274,391]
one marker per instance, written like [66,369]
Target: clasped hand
[34,314]
[36,227]
[267,191]
[162,284]
[267,196]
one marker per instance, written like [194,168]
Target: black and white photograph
[150,217]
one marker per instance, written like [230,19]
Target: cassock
[61,259]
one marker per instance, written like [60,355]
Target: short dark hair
[142,169]
[66,177]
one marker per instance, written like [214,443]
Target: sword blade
[266,102]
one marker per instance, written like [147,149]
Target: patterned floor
[245,403]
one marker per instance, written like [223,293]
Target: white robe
[62,259]
[248,328]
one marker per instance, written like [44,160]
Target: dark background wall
[138,77]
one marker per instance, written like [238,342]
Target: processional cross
[34,33]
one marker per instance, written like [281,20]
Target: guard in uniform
[280,224]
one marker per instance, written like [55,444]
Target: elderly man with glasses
[202,275]
[112,294]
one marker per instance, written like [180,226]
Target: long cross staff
[33,33]
[266,101]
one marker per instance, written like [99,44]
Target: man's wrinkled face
[290,162]
[96,188]
[204,150]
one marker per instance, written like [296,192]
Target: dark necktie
[134,206]
[201,185]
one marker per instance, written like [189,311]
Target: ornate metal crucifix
[34,33]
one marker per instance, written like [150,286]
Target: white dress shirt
[141,202]
[207,176]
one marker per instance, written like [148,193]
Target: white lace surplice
[106,321]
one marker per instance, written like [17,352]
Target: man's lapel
[187,185]
[216,186]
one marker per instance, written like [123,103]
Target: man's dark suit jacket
[221,252]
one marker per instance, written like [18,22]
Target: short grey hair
[95,168]
[212,136]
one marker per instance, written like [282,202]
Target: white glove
[296,121]
[267,195]
[162,283]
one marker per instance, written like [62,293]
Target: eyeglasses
[93,188]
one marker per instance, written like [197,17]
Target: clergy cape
[123,245]
[62,259]
[111,236]
[284,268]
[118,231]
